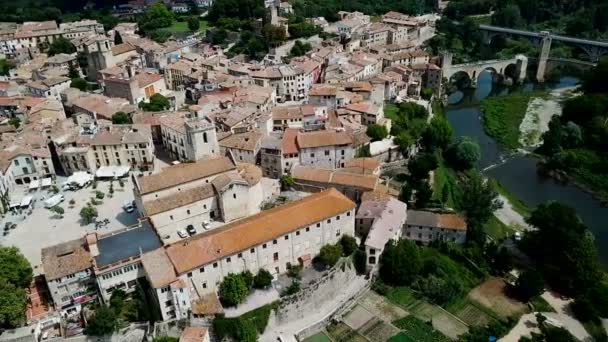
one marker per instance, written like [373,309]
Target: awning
[26,201]
[15,204]
[35,184]
[112,171]
[80,178]
[46,182]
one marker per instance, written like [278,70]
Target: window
[274,242]
[326,152]
[318,225]
[169,303]
[215,265]
[298,233]
[205,285]
[234,196]
[205,137]
[164,289]
[312,155]
[188,211]
[329,221]
[252,250]
[202,269]
[264,246]
[189,274]
[372,251]
[228,259]
[240,255]
[275,256]
[342,152]
[372,260]
[338,218]
[307,229]
[171,217]
[286,237]
[338,232]
[348,213]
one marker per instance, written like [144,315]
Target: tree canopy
[240,9]
[13,302]
[156,103]
[400,262]
[194,23]
[233,289]
[464,154]
[376,132]
[330,254]
[103,322]
[61,45]
[438,135]
[299,48]
[119,118]
[156,16]
[79,83]
[478,203]
[14,268]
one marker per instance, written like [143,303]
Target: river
[518,174]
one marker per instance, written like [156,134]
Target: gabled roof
[323,138]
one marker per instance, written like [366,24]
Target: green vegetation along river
[518,173]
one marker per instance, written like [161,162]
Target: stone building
[325,149]
[189,136]
[426,226]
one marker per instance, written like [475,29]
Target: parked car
[517,236]
[53,201]
[190,229]
[182,233]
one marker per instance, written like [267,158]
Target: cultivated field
[492,294]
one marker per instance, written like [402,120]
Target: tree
[233,289]
[79,83]
[120,118]
[499,259]
[247,331]
[479,200]
[421,165]
[592,304]
[155,17]
[464,154]
[529,284]
[376,132]
[400,262]
[5,67]
[88,214]
[13,302]
[242,9]
[508,16]
[438,135]
[159,36]
[330,254]
[262,280]
[104,322]
[248,278]
[14,267]
[300,49]
[348,244]
[593,82]
[426,93]
[156,103]
[360,261]
[563,248]
[61,45]
[194,24]
[72,71]
[117,37]
[83,61]
[424,193]
[287,182]
[15,122]
[275,35]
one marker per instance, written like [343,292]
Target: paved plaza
[42,228]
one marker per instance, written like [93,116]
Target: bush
[330,254]
[58,210]
[360,261]
[99,195]
[104,322]
[72,201]
[248,278]
[262,280]
[381,288]
[88,214]
[294,272]
[348,244]
[233,289]
[291,289]
[529,284]
[376,132]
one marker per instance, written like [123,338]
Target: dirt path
[510,217]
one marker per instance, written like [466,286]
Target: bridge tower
[544,55]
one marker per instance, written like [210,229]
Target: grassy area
[318,337]
[445,177]
[182,27]
[341,332]
[588,169]
[414,329]
[518,205]
[496,229]
[390,110]
[596,330]
[541,305]
[502,116]
[470,312]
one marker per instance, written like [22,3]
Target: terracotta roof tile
[323,138]
[178,199]
[158,267]
[241,235]
[66,258]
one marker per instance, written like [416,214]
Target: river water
[518,173]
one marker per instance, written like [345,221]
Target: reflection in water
[519,174]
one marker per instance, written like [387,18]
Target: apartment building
[135,88]
[244,147]
[199,196]
[189,135]
[379,220]
[279,154]
[82,28]
[352,184]
[325,149]
[89,148]
[68,270]
[290,82]
[426,226]
[275,239]
[48,88]
[117,257]
[22,164]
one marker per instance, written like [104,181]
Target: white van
[53,201]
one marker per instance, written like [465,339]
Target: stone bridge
[498,66]
[593,48]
